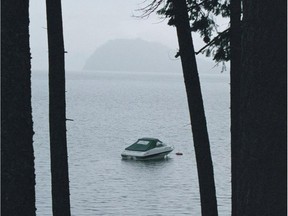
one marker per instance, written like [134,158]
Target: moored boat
[147,149]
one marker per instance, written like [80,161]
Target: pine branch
[149,9]
[212,41]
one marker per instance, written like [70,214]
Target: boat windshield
[159,144]
[143,142]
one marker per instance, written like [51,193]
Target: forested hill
[137,55]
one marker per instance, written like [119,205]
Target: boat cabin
[145,144]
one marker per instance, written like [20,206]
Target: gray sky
[90,23]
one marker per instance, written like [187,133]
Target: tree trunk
[235,73]
[196,109]
[261,181]
[17,155]
[57,111]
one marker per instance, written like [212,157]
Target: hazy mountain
[137,55]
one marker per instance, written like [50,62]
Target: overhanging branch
[212,41]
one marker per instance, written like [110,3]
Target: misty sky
[90,23]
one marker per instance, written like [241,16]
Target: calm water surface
[111,110]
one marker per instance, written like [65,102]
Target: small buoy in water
[179,153]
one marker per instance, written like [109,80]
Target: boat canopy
[143,144]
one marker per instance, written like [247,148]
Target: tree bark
[196,110]
[235,73]
[57,111]
[17,154]
[261,183]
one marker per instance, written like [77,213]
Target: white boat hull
[156,153]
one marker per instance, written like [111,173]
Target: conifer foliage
[202,16]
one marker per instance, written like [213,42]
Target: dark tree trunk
[261,181]
[235,44]
[17,155]
[196,109]
[57,111]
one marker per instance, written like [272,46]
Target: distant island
[133,55]
[137,55]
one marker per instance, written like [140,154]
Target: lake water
[111,110]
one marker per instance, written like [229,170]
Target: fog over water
[112,109]
[89,24]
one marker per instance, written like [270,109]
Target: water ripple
[110,111]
